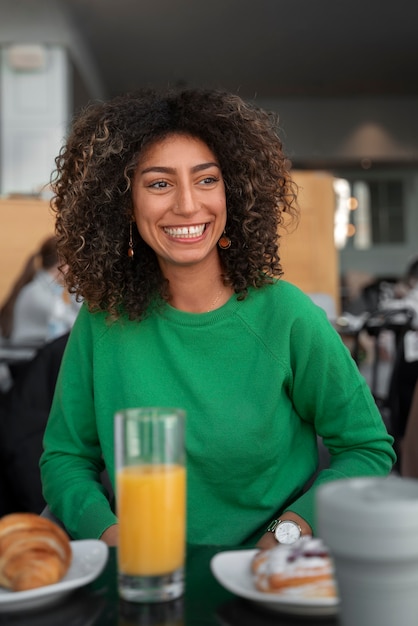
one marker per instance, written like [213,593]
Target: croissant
[34,552]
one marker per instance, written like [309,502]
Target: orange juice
[151,501]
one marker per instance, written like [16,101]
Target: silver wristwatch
[285,530]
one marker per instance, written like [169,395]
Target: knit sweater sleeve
[328,391]
[72,462]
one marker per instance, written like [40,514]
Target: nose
[186,202]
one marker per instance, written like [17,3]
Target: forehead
[175,148]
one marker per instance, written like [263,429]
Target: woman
[40,310]
[168,207]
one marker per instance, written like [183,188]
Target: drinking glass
[151,503]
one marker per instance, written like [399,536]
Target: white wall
[33,122]
[47,22]
[36,105]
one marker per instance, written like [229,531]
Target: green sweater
[259,379]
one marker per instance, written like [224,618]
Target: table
[205,603]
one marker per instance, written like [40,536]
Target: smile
[185,232]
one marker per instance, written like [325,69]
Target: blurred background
[341,74]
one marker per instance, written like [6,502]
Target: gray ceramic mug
[370,526]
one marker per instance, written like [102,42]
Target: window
[380,214]
[386,210]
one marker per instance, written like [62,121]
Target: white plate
[89,559]
[232,570]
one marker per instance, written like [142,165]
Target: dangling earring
[131,252]
[224,242]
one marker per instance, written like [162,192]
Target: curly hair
[92,184]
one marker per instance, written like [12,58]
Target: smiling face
[179,201]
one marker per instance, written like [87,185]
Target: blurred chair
[398,322]
[23,417]
[400,400]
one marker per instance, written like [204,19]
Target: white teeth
[186,231]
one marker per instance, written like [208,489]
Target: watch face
[287,532]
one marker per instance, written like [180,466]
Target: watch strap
[272,526]
[276,522]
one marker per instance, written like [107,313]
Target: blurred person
[167,213]
[7,309]
[43,309]
[402,307]
[405,293]
[409,444]
[410,280]
[7,371]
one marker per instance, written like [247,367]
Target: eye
[208,180]
[159,184]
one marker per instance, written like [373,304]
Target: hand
[111,535]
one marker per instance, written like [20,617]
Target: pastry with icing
[303,568]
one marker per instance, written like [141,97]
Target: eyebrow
[172,170]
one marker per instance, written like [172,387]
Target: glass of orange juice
[151,503]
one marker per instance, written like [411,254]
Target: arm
[328,392]
[72,460]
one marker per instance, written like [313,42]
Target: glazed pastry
[304,568]
[34,552]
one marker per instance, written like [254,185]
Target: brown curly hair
[93,180]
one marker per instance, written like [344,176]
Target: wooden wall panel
[309,256]
[24,224]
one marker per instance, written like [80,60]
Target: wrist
[289,528]
[111,535]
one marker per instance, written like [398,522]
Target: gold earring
[224,242]
[131,252]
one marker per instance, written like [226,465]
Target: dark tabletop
[205,603]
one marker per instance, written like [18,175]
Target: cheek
[141,213]
[139,221]
[219,201]
[143,226]
[221,206]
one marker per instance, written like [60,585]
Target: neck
[201,297]
[197,291]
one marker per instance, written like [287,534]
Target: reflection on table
[205,603]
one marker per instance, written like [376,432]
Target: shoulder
[278,307]
[93,325]
[284,296]
[28,290]
[286,310]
